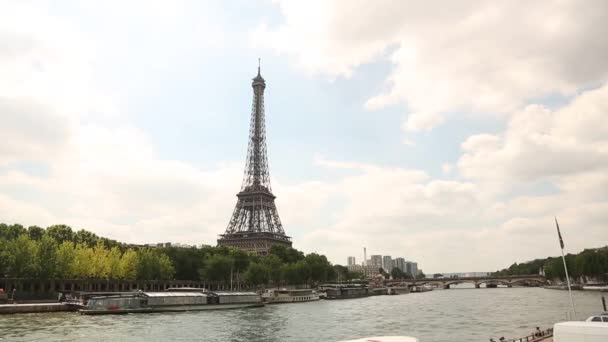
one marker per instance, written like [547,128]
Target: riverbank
[6,309]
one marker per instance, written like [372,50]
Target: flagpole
[561,244]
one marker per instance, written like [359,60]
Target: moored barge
[289,296]
[344,291]
[146,302]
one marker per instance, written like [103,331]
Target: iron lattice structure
[255,224]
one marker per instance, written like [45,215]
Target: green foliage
[22,256]
[218,267]
[590,263]
[11,232]
[60,233]
[397,273]
[257,274]
[128,264]
[59,253]
[35,232]
[287,255]
[47,257]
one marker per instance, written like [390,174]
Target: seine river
[442,315]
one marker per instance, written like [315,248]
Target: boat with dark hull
[345,291]
[147,302]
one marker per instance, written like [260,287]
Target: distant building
[411,267]
[351,261]
[368,271]
[400,264]
[375,261]
[387,263]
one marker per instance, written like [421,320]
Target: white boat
[289,296]
[141,302]
[603,317]
[580,332]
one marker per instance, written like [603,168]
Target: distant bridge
[509,281]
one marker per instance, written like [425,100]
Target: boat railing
[536,336]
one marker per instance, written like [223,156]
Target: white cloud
[540,143]
[472,56]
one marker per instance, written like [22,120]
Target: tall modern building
[411,267]
[400,264]
[387,263]
[351,261]
[376,261]
[255,225]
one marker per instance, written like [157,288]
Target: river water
[459,314]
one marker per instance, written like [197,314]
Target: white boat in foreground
[386,339]
[580,332]
[289,296]
[143,302]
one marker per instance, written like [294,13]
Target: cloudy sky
[449,133]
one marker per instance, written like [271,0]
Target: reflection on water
[443,315]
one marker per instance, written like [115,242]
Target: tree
[85,237]
[47,257]
[420,275]
[113,260]
[397,273]
[11,232]
[82,262]
[35,232]
[273,264]
[286,254]
[166,270]
[127,267]
[217,268]
[60,233]
[341,272]
[65,259]
[100,263]
[147,266]
[22,257]
[319,267]
[257,274]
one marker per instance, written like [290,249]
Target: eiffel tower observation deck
[255,224]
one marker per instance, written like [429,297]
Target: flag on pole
[561,241]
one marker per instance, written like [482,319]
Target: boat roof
[235,293]
[174,294]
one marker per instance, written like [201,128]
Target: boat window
[596,319]
[605,319]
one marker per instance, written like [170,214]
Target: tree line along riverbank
[588,266]
[58,252]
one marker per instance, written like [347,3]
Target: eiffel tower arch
[255,224]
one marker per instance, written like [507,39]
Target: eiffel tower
[255,225]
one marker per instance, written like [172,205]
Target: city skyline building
[351,261]
[375,261]
[411,268]
[255,225]
[400,264]
[387,263]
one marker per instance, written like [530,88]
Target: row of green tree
[57,252]
[60,252]
[586,265]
